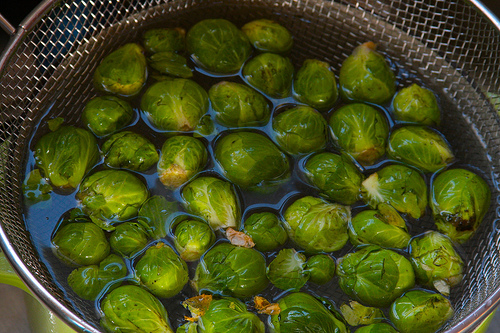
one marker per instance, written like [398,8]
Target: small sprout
[128,238]
[270,73]
[239,238]
[321,268]
[415,104]
[155,215]
[266,230]
[192,239]
[170,63]
[263,306]
[268,36]
[104,115]
[164,40]
[315,85]
[36,188]
[357,314]
[288,270]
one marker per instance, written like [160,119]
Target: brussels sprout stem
[371,185]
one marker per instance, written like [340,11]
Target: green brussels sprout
[251,160]
[300,129]
[162,271]
[122,72]
[376,328]
[365,76]
[218,45]
[170,63]
[130,308]
[66,155]
[315,85]
[237,105]
[383,227]
[357,314]
[399,186]
[181,158]
[375,276]
[302,312]
[288,270]
[231,270]
[205,127]
[88,281]
[321,268]
[110,196]
[266,230]
[128,238]
[316,225]
[459,201]
[270,73]
[336,176]
[421,147]
[416,104]
[435,262]
[129,150]
[155,215]
[80,244]
[192,239]
[36,188]
[104,115]
[175,105]
[420,311]
[164,40]
[268,36]
[361,131]
[214,200]
[55,123]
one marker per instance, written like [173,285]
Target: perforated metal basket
[451,46]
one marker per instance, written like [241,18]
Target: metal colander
[450,46]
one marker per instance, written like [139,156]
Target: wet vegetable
[357,314]
[315,85]
[164,40]
[288,270]
[128,238]
[376,328]
[192,239]
[170,63]
[321,268]
[268,36]
[155,215]
[266,230]
[104,115]
[36,188]
[416,104]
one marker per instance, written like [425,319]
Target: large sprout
[268,36]
[315,85]
[266,230]
[415,104]
[104,115]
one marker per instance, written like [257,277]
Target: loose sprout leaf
[239,238]
[391,216]
[197,305]
[357,314]
[263,306]
[36,188]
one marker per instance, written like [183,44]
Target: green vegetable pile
[242,204]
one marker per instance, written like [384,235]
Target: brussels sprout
[376,328]
[288,270]
[36,188]
[175,105]
[66,155]
[182,157]
[237,105]
[459,201]
[356,314]
[55,123]
[315,85]
[88,281]
[366,76]
[122,72]
[266,231]
[420,147]
[132,309]
[218,45]
[361,131]
[164,40]
[337,178]
[300,129]
[231,270]
[268,36]
[316,225]
[251,160]
[435,262]
[192,239]
[104,115]
[375,276]
[399,186]
[416,104]
[170,63]
[420,311]
[302,312]
[128,238]
[155,214]
[110,196]
[80,244]
[270,73]
[162,271]
[129,150]
[214,200]
[321,268]
[205,127]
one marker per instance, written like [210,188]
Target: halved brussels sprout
[315,85]
[300,129]
[377,328]
[237,105]
[192,239]
[399,186]
[164,40]
[270,73]
[357,314]
[66,155]
[336,176]
[316,225]
[459,201]
[421,147]
[375,276]
[128,238]
[251,160]
[155,215]
[181,158]
[416,104]
[361,131]
[104,115]
[36,188]
[268,36]
[288,270]
[266,231]
[218,45]
[175,105]
[321,268]
[170,63]
[122,72]
[366,76]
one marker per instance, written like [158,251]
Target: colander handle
[6,26]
